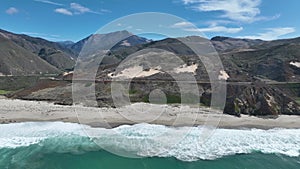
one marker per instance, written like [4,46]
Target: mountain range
[45,57]
[243,58]
[262,75]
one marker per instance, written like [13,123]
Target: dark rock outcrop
[259,99]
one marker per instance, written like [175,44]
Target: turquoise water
[105,160]
[59,145]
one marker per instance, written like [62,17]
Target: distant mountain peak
[66,43]
[131,39]
[220,38]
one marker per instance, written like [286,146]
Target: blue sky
[58,20]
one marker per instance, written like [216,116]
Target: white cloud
[63,11]
[77,9]
[51,37]
[218,22]
[12,10]
[39,34]
[49,2]
[271,33]
[188,1]
[215,29]
[182,25]
[105,11]
[236,10]
[187,26]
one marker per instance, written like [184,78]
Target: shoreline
[17,111]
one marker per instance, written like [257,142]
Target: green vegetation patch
[297,100]
[13,83]
[88,84]
[3,92]
[171,99]
[131,92]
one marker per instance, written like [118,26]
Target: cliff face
[256,99]
[259,99]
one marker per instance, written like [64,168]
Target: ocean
[58,145]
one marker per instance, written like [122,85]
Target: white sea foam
[25,134]
[146,140]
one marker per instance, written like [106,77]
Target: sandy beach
[15,111]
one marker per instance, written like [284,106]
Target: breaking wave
[141,139]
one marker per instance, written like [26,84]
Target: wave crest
[141,140]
